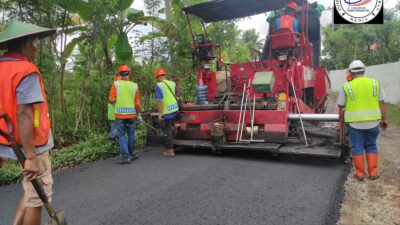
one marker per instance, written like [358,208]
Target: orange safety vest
[287,21]
[11,74]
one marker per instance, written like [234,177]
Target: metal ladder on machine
[242,115]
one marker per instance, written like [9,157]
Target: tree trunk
[63,65]
[168,9]
[84,88]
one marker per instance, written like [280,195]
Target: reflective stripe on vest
[374,86]
[372,114]
[350,91]
[12,72]
[126,92]
[170,104]
[36,116]
[362,103]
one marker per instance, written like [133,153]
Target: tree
[370,43]
[250,40]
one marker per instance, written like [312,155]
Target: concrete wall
[388,76]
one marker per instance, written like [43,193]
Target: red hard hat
[160,72]
[292,5]
[124,68]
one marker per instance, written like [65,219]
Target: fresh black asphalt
[195,188]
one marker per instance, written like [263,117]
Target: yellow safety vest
[126,92]
[362,100]
[170,104]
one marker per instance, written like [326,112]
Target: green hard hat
[16,29]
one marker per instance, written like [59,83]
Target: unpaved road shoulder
[376,202]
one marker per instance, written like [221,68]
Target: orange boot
[358,161]
[372,161]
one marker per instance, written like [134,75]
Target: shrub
[9,172]
[394,114]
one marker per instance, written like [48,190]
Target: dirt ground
[376,202]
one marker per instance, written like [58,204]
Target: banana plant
[104,18]
[95,24]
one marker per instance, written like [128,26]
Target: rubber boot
[358,161]
[372,161]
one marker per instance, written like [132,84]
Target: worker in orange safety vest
[23,99]
[125,97]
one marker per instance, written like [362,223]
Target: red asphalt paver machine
[276,103]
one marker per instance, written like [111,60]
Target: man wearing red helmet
[287,20]
[166,95]
[125,96]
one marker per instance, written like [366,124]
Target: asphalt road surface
[195,188]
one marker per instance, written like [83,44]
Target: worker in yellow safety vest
[363,101]
[166,95]
[125,96]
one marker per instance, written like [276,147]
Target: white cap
[356,66]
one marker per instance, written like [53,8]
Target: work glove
[139,117]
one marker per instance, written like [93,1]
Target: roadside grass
[394,114]
[9,172]
[95,147]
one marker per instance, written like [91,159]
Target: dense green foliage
[97,146]
[9,172]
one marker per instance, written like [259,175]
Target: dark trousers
[169,142]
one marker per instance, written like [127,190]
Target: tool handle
[20,155]
[40,191]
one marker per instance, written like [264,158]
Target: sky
[259,23]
